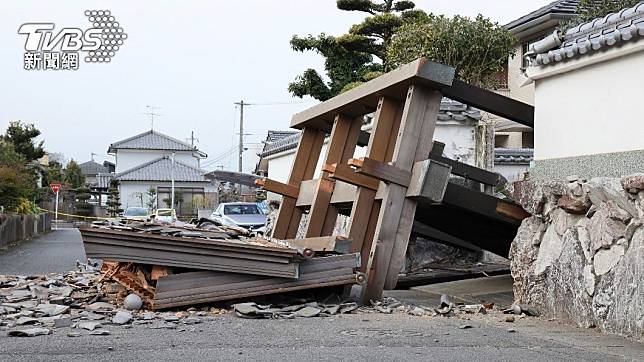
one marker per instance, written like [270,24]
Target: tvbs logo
[48,49]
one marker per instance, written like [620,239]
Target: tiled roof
[161,170]
[513,156]
[275,135]
[92,168]
[153,140]
[450,111]
[103,180]
[561,8]
[599,34]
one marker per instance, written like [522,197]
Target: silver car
[243,214]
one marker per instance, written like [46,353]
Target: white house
[145,161]
[588,87]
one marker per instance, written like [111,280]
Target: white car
[166,215]
[242,214]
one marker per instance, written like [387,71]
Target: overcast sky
[191,60]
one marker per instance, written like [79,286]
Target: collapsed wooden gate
[385,185]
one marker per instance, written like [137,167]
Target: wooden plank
[342,145]
[511,210]
[345,173]
[414,138]
[365,98]
[324,244]
[385,119]
[306,158]
[491,102]
[381,171]
[278,187]
[468,171]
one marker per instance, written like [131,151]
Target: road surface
[357,337]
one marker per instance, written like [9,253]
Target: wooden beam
[345,173]
[365,98]
[468,171]
[491,102]
[511,210]
[342,145]
[278,187]
[414,142]
[324,244]
[388,114]
[306,158]
[380,170]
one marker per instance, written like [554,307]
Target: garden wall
[18,227]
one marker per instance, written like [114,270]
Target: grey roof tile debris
[584,39]
[450,110]
[160,169]
[513,156]
[152,140]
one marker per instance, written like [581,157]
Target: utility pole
[241,140]
[172,183]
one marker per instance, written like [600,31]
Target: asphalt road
[54,252]
[359,337]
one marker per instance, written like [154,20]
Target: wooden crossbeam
[345,173]
[278,187]
[381,171]
[324,244]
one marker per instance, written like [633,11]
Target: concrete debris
[121,317]
[308,310]
[90,326]
[31,332]
[62,322]
[73,334]
[100,332]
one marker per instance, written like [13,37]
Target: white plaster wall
[459,139]
[511,172]
[590,110]
[127,159]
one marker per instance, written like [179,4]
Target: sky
[191,61]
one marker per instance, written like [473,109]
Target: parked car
[137,213]
[242,214]
[166,215]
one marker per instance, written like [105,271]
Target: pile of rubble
[184,264]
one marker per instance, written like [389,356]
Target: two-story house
[150,161]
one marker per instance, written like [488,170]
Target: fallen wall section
[581,256]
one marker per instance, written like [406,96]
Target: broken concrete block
[121,317]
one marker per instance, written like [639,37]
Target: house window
[524,60]
[187,200]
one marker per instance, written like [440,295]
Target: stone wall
[18,227]
[580,258]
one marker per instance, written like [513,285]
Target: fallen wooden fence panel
[204,287]
[216,255]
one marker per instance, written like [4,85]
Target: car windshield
[136,211]
[241,210]
[164,212]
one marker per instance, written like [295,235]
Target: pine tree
[83,208]
[114,202]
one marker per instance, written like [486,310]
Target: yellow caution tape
[77,216]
